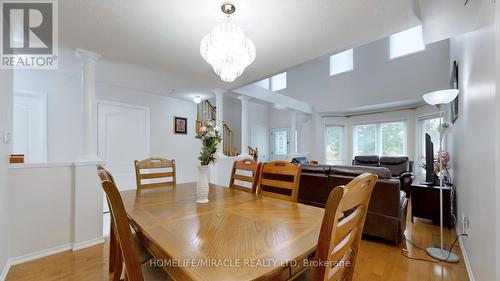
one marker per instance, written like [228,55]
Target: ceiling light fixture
[227,49]
[197,99]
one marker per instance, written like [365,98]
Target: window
[30,126]
[406,42]
[280,142]
[278,82]
[385,139]
[393,138]
[429,126]
[275,83]
[263,83]
[365,140]
[341,62]
[334,136]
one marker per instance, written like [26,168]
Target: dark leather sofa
[386,217]
[400,166]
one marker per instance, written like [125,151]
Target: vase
[202,184]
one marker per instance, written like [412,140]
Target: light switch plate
[6,137]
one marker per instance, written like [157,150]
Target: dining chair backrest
[280,179]
[122,228]
[152,164]
[250,166]
[341,229]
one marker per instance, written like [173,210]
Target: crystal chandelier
[227,49]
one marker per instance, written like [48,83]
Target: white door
[123,136]
[30,125]
[259,138]
[280,141]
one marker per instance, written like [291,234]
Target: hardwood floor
[376,261]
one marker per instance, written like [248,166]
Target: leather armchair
[400,167]
[366,160]
[386,217]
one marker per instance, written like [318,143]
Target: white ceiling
[166,34]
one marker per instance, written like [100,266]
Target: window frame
[343,72]
[378,136]
[420,139]
[342,143]
[405,55]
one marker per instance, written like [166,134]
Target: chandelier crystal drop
[227,49]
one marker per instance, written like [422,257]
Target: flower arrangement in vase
[445,158]
[211,138]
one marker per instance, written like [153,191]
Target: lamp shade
[441,97]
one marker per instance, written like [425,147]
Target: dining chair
[341,229]
[280,179]
[151,164]
[249,166]
[125,248]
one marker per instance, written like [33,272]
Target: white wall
[258,124]
[6,81]
[375,81]
[44,200]
[164,143]
[120,83]
[41,204]
[473,142]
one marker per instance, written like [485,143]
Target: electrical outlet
[465,224]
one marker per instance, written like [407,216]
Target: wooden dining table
[238,235]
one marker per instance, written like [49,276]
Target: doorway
[123,133]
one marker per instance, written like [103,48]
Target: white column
[293,129]
[219,118]
[89,60]
[244,125]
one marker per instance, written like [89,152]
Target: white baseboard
[466,258]
[87,244]
[48,252]
[33,256]
[39,254]
[5,271]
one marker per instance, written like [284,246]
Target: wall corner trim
[5,271]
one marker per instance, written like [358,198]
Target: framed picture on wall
[180,125]
[454,85]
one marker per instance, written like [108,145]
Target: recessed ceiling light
[197,99]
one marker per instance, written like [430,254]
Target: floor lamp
[440,99]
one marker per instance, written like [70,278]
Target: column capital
[244,98]
[87,55]
[218,91]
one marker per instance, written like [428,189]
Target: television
[429,160]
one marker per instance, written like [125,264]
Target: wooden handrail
[254,152]
[228,141]
[207,112]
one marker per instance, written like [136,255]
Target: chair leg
[116,276]
[112,248]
